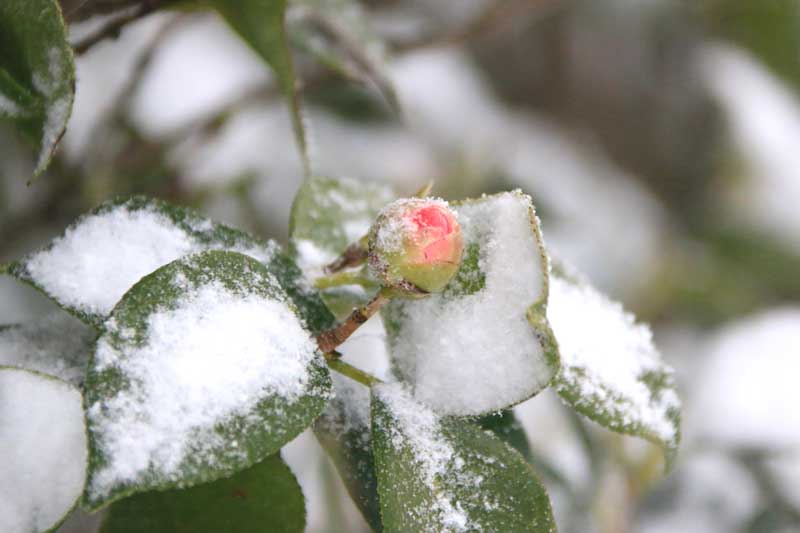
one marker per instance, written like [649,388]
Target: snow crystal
[418,428]
[746,392]
[476,353]
[104,254]
[58,345]
[213,357]
[42,451]
[606,353]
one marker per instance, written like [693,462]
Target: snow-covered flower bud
[415,246]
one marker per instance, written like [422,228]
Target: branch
[330,339]
[113,28]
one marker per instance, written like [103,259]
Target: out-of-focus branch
[113,28]
[494,17]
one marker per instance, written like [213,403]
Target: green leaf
[265,497]
[508,429]
[611,371]
[338,34]
[204,368]
[37,73]
[42,450]
[261,24]
[103,253]
[446,474]
[57,345]
[327,216]
[484,343]
[343,430]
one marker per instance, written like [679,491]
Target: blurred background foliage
[660,140]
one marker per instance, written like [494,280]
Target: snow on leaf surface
[101,255]
[327,216]
[611,371]
[483,344]
[447,475]
[42,450]
[343,429]
[37,73]
[265,497]
[204,368]
[58,345]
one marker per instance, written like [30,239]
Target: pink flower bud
[415,245]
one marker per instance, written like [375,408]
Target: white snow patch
[212,357]
[606,352]
[8,107]
[43,451]
[476,353]
[764,119]
[746,393]
[103,255]
[418,428]
[58,345]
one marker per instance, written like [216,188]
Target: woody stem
[329,339]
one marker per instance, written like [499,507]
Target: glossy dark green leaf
[446,474]
[508,429]
[263,498]
[37,73]
[261,24]
[343,429]
[203,369]
[484,343]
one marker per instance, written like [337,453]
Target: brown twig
[330,339]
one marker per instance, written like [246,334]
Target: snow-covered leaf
[37,73]
[103,253]
[611,371]
[484,343]
[261,25]
[265,497]
[327,216]
[204,368]
[343,429]
[338,34]
[42,450]
[445,474]
[58,345]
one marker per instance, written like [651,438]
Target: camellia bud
[415,245]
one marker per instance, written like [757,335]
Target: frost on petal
[42,450]
[481,345]
[611,370]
